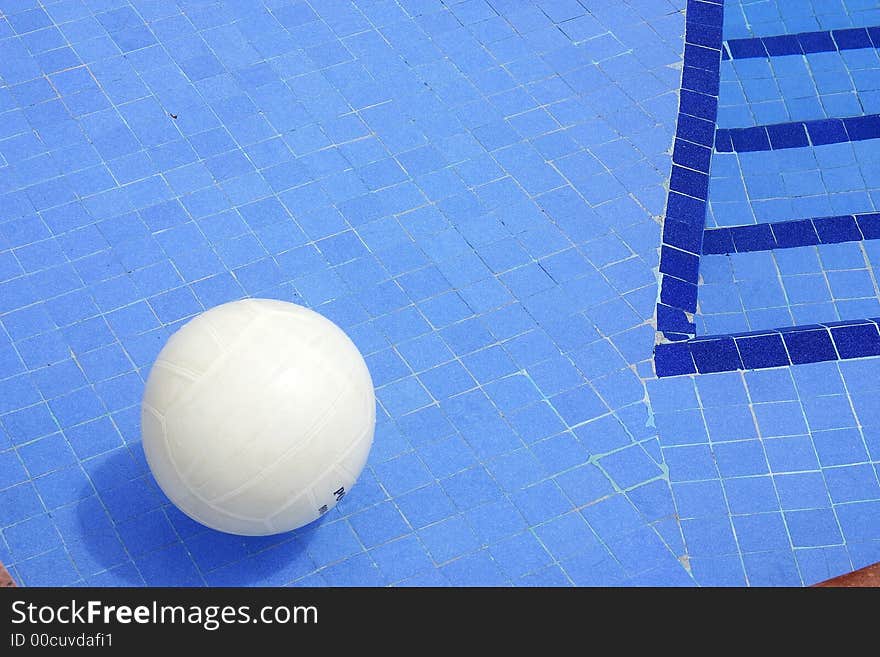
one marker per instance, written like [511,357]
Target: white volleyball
[258,416]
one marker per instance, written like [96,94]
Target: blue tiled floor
[796,183]
[774,471]
[788,287]
[797,88]
[751,18]
[474,191]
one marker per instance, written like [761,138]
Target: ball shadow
[130,534]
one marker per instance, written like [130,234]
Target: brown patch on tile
[5,577]
[865,577]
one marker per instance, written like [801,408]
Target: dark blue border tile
[696,130]
[859,128]
[705,13]
[686,237]
[809,344]
[783,44]
[826,131]
[761,351]
[678,294]
[757,237]
[679,264]
[791,234]
[701,80]
[816,42]
[691,155]
[673,319]
[718,241]
[834,230]
[673,359]
[869,225]
[715,354]
[852,38]
[750,139]
[857,341]
[702,106]
[723,141]
[787,135]
[746,48]
[686,209]
[703,35]
[689,182]
[701,57]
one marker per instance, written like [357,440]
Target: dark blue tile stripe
[684,238]
[797,134]
[803,43]
[689,179]
[792,234]
[795,345]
